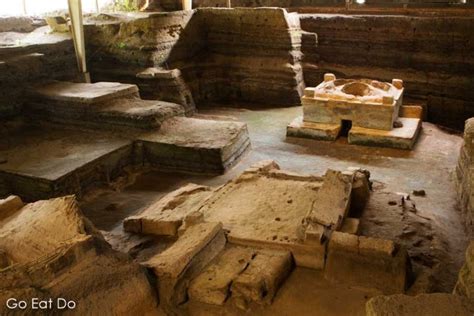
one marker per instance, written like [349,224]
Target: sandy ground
[431,229]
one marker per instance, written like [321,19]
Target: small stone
[397,124]
[419,193]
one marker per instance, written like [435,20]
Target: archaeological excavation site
[237,157]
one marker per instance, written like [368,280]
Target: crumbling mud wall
[252,55]
[460,302]
[48,249]
[29,60]
[141,39]
[16,24]
[140,48]
[465,176]
[432,54]
[171,5]
[465,285]
[224,55]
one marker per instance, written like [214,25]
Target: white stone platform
[320,131]
[402,137]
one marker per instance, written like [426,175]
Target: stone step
[103,104]
[166,216]
[243,276]
[84,93]
[54,162]
[367,262]
[154,83]
[213,285]
[196,145]
[185,260]
[337,186]
[403,137]
[259,283]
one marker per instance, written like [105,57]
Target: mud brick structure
[367,110]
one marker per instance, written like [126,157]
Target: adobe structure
[215,157]
[370,108]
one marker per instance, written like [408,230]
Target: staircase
[107,105]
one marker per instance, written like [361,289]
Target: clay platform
[83,92]
[50,163]
[196,145]
[264,208]
[319,131]
[402,137]
[135,131]
[53,161]
[106,105]
[272,220]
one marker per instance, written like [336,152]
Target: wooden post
[77,31]
[187,4]
[23,7]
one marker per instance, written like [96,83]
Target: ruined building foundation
[232,159]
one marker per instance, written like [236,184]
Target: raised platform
[47,160]
[47,163]
[319,131]
[272,210]
[196,145]
[402,137]
[106,105]
[85,93]
[264,208]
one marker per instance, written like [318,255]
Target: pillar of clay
[329,77]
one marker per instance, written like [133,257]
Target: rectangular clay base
[299,128]
[402,137]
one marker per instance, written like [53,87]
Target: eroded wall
[225,55]
[254,55]
[250,56]
[171,5]
[465,176]
[142,39]
[29,56]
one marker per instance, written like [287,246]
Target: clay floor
[429,226]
